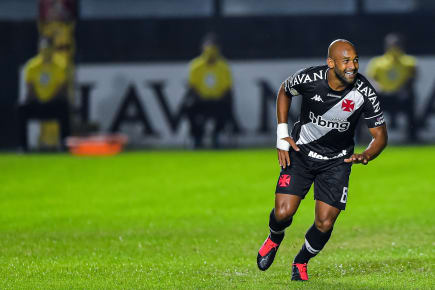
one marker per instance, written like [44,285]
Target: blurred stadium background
[179,218]
[144,48]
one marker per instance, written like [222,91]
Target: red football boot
[266,254]
[299,272]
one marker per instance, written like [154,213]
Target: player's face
[346,66]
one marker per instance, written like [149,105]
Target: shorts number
[344,196]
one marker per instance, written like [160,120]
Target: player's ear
[330,63]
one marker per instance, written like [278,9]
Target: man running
[321,148]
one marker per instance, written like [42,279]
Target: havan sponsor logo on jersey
[319,156]
[339,125]
[307,78]
[364,89]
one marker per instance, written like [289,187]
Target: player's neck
[335,83]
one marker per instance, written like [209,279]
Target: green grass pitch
[189,220]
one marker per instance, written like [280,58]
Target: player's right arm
[284,141]
[29,77]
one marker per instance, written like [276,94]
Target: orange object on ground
[101,145]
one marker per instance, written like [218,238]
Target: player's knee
[283,212]
[324,225]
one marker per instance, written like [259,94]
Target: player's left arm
[378,143]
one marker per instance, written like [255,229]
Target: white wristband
[282,132]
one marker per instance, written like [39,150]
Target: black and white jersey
[326,126]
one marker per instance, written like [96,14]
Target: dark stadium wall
[19,41]
[247,37]
[242,38]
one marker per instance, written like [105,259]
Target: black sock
[277,228]
[315,240]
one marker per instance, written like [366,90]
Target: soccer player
[321,148]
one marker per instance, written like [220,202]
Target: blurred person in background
[394,74]
[210,93]
[46,92]
[57,20]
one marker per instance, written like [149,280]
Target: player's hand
[357,158]
[283,156]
